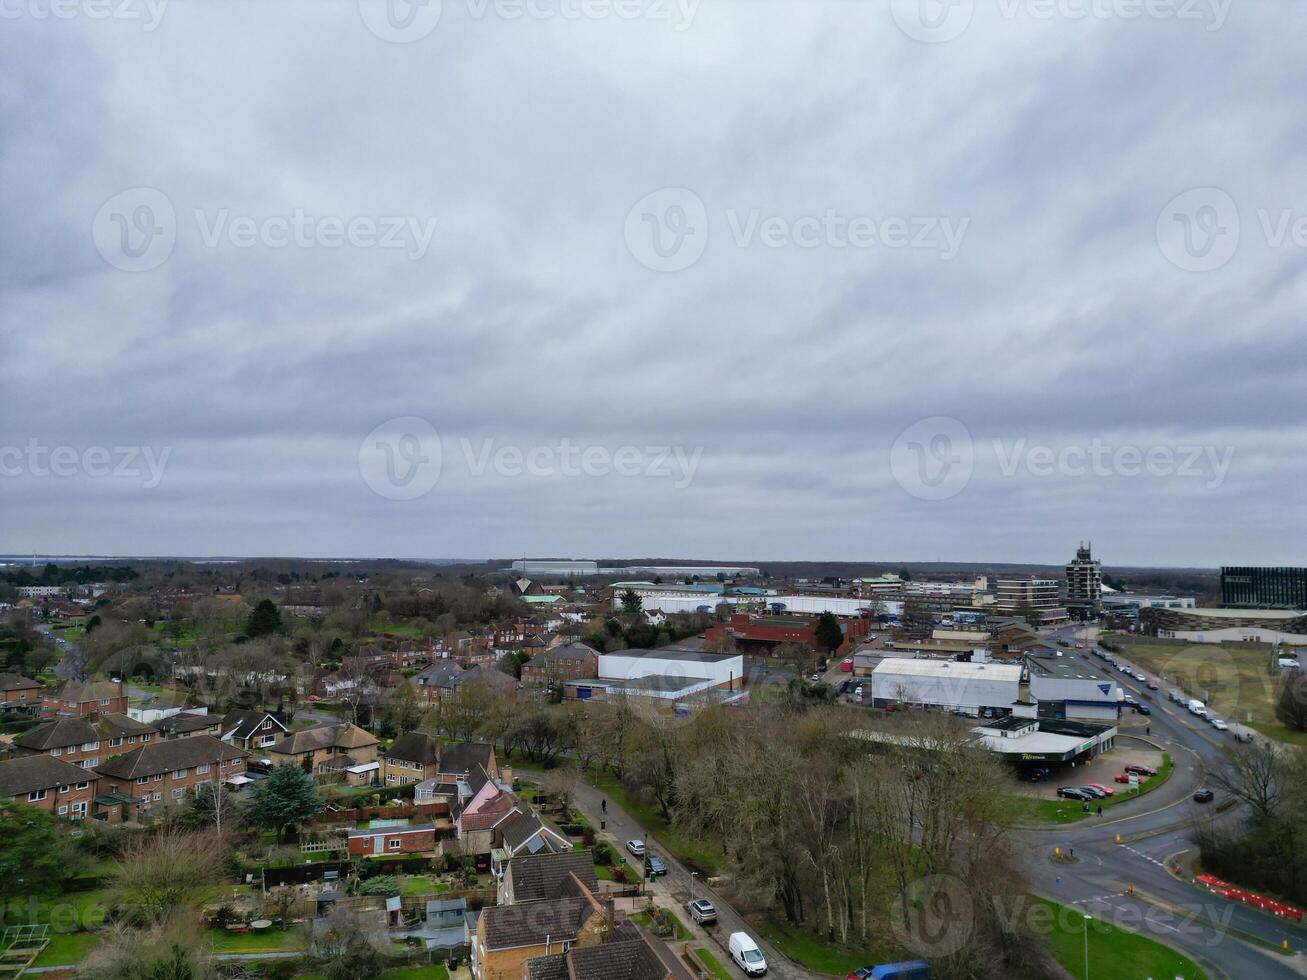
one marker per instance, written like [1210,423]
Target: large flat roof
[1065,667]
[1243,613]
[949,668]
[671,653]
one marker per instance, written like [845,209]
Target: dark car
[1204,796]
[1152,686]
[653,866]
[1097,794]
[1139,770]
[1074,793]
[1143,709]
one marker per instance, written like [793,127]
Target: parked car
[1122,777]
[1219,725]
[1073,793]
[1143,709]
[1140,770]
[1204,796]
[636,847]
[1097,794]
[702,911]
[746,954]
[1243,735]
[1153,686]
[1105,790]
[653,866]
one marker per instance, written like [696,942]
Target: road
[1227,938]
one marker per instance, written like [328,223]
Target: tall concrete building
[1037,598]
[1084,584]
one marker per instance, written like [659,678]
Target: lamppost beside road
[1087,918]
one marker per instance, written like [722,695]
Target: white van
[1196,707]
[748,957]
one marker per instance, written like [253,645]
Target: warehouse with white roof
[947,684]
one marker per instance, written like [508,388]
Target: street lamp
[1087,918]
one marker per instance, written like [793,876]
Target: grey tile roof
[537,876]
[244,724]
[29,773]
[415,747]
[464,757]
[80,730]
[531,923]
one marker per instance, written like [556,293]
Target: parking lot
[1103,769]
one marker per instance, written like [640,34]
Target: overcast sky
[732,280]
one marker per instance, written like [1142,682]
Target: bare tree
[1256,775]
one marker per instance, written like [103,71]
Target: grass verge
[1113,952]
[711,964]
[808,950]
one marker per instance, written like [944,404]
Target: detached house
[86,740]
[323,749]
[53,785]
[252,730]
[166,770]
[85,698]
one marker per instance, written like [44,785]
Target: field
[1232,679]
[1113,952]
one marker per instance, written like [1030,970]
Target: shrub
[603,853]
[386,885]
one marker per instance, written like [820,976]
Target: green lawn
[66,949]
[436,972]
[804,948]
[268,941]
[1113,952]
[1026,809]
[645,919]
[711,964]
[1232,679]
[421,885]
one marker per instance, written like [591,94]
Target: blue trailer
[914,970]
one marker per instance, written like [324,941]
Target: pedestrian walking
[1100,809]
[1148,729]
[603,805]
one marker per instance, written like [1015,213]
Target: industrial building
[663,675]
[1039,598]
[947,684]
[1045,740]
[1062,687]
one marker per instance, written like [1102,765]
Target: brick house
[509,935]
[628,951]
[85,698]
[186,723]
[164,771]
[53,785]
[17,691]
[324,747]
[86,740]
[413,757]
[561,663]
[437,681]
[417,838]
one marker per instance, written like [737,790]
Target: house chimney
[609,916]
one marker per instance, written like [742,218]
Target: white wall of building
[622,667]
[924,682]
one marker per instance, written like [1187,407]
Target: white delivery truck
[748,957]
[1196,707]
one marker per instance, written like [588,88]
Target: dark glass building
[1264,588]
